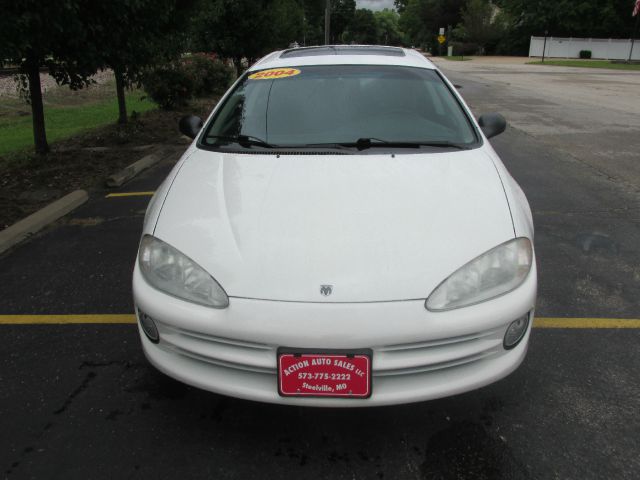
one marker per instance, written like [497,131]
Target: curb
[126,174]
[26,227]
[40,219]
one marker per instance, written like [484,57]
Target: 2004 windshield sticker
[274,73]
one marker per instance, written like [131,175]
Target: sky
[374,4]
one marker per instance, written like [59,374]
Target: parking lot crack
[81,388]
[90,364]
[26,451]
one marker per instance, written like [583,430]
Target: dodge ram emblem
[326,290]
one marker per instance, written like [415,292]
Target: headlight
[490,275]
[168,270]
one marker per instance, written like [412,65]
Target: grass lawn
[589,64]
[63,120]
[457,58]
[75,121]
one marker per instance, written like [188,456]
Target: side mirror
[492,124]
[190,125]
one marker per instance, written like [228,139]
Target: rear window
[339,104]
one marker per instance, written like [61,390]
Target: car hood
[374,227]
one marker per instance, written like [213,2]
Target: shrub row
[199,75]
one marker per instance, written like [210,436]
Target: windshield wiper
[365,143]
[245,140]
[337,146]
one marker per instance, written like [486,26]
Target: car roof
[343,55]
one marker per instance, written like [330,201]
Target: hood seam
[506,196]
[164,200]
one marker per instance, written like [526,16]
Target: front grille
[226,352]
[418,357]
[388,361]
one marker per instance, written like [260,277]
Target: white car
[340,233]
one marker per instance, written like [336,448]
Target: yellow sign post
[441,39]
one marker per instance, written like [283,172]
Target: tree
[479,24]
[313,22]
[400,5]
[342,14]
[362,29]
[422,19]
[240,29]
[132,35]
[571,18]
[413,21]
[388,27]
[284,25]
[36,34]
[75,38]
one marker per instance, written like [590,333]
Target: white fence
[606,48]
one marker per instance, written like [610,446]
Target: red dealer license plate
[324,375]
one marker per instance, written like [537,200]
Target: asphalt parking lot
[78,400]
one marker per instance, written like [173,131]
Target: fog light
[148,327]
[515,332]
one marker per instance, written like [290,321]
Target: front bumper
[417,354]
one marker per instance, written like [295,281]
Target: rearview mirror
[190,125]
[492,124]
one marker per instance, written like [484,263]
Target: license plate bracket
[324,373]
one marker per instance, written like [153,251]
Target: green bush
[199,75]
[209,76]
[170,86]
[585,53]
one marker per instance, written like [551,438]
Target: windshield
[312,106]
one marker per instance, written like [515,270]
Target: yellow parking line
[129,318]
[65,319]
[549,322]
[129,194]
